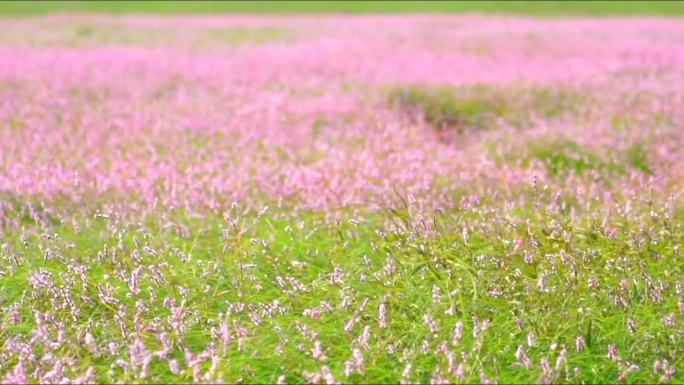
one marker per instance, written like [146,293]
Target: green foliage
[445,108]
[563,156]
[483,275]
[536,8]
[481,106]
[88,35]
[637,158]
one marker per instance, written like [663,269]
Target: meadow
[341,198]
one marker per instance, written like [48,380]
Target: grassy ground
[545,247]
[537,8]
[562,294]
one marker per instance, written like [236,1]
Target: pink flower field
[341,199]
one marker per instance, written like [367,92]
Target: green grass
[535,8]
[540,286]
[561,157]
[93,35]
[481,107]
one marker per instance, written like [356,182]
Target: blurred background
[536,8]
